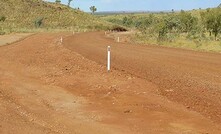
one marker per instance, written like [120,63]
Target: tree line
[166,24]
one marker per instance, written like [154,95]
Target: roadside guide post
[61,40]
[108,58]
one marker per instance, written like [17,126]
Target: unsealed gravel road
[187,77]
[49,87]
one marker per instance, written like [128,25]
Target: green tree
[144,23]
[127,21]
[162,30]
[173,23]
[58,1]
[69,2]
[212,21]
[188,22]
[93,9]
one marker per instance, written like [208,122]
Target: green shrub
[212,21]
[2,32]
[187,21]
[162,30]
[127,21]
[2,18]
[38,22]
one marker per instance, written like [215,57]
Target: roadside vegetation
[93,9]
[38,15]
[196,29]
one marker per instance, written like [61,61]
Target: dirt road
[47,88]
[188,77]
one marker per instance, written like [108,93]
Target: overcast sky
[138,5]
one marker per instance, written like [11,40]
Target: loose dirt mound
[46,88]
[119,29]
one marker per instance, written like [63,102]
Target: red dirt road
[187,77]
[47,88]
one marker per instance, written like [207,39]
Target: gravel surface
[49,87]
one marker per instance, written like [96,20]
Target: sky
[142,5]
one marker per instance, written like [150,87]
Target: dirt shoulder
[47,88]
[11,38]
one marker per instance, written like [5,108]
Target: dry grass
[21,15]
[181,42]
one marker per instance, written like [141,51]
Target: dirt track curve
[48,87]
[188,77]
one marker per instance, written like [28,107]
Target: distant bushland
[196,29]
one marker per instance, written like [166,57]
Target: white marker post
[108,58]
[73,33]
[61,40]
[118,39]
